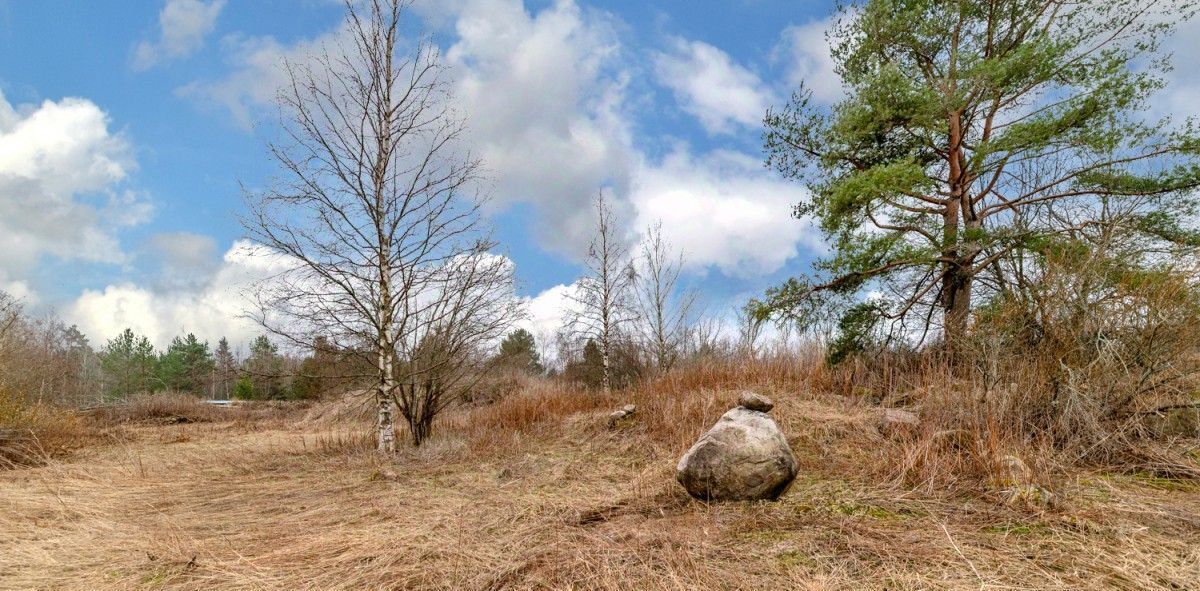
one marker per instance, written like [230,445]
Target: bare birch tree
[605,298]
[376,206]
[665,311]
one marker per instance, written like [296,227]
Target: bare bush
[1093,348]
[32,433]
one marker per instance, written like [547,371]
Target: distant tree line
[130,364]
[43,359]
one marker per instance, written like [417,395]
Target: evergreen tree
[226,369]
[518,351]
[187,365]
[244,388]
[318,372]
[588,369]
[129,363]
[974,138]
[264,367]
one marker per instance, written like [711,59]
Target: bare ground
[288,503]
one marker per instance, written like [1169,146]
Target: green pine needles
[972,136]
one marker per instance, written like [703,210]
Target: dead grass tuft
[32,434]
[160,407]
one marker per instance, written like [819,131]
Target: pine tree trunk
[956,280]
[957,305]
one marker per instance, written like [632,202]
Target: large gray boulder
[744,457]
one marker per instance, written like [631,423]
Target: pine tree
[226,369]
[589,368]
[264,367]
[186,365]
[518,351]
[974,138]
[130,365]
[319,372]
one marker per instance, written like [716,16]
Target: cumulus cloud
[545,102]
[722,209]
[61,175]
[546,313]
[211,312]
[183,25]
[542,91]
[546,92]
[803,51]
[223,305]
[708,84]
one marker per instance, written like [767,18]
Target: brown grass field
[535,492]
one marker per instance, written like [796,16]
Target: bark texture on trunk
[385,423]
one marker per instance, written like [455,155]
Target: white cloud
[256,74]
[548,310]
[185,260]
[545,92]
[545,101]
[183,25]
[723,210]
[21,290]
[546,313]
[218,307]
[542,93]
[211,312]
[61,168]
[710,86]
[804,51]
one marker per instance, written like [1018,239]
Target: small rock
[752,401]
[893,422]
[1031,496]
[617,415]
[1013,472]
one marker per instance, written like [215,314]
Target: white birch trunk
[385,422]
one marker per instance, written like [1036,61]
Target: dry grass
[160,407]
[534,492]
[31,434]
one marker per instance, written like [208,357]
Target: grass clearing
[535,493]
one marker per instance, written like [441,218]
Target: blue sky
[127,130]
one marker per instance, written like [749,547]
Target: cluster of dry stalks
[31,433]
[974,417]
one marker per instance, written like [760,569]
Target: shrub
[30,434]
[244,388]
